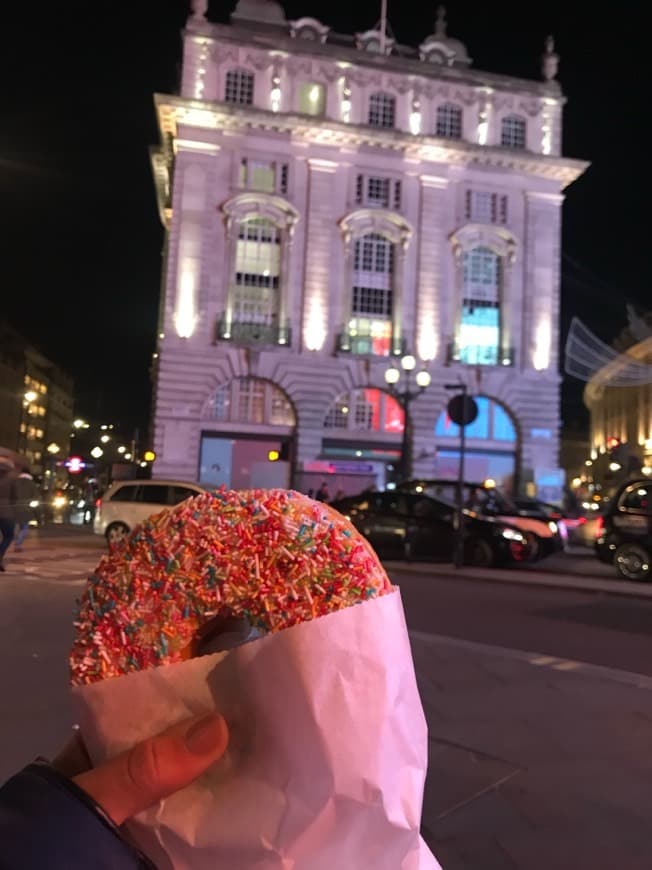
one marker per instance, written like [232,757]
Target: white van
[128,502]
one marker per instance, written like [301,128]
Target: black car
[542,533]
[402,525]
[625,530]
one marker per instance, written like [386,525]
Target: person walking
[26,492]
[7,505]
[322,493]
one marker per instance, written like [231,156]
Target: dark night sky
[81,239]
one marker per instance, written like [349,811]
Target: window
[157,493]
[178,494]
[257,272]
[266,176]
[485,208]
[312,98]
[449,121]
[371,303]
[382,109]
[479,332]
[366,410]
[239,87]
[512,132]
[251,400]
[376,190]
[493,423]
[126,493]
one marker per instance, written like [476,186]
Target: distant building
[333,202]
[36,402]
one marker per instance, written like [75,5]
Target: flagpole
[383,26]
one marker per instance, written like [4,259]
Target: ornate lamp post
[405,384]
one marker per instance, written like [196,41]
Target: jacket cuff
[46,820]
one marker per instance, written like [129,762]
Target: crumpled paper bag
[327,756]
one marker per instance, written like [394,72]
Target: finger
[157,767]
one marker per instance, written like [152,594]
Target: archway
[492,445]
[247,438]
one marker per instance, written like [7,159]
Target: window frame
[381,110]
[239,82]
[231,395]
[509,138]
[449,121]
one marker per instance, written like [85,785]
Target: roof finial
[440,23]
[199,8]
[549,60]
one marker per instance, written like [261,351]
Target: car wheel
[479,553]
[632,562]
[532,546]
[116,534]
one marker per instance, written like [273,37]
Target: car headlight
[34,504]
[80,504]
[512,535]
[60,501]
[554,528]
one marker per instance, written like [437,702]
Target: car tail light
[599,527]
[98,503]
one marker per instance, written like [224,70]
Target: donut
[274,557]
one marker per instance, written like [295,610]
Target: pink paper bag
[327,755]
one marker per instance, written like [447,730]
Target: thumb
[157,767]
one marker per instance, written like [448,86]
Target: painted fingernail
[204,735]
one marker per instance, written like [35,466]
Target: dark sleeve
[47,821]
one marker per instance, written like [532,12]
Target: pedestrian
[67,815]
[311,492]
[322,493]
[7,506]
[339,495]
[26,493]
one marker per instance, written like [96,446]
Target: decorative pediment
[497,239]
[376,220]
[309,28]
[372,41]
[249,205]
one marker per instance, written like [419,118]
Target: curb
[539,660]
[543,579]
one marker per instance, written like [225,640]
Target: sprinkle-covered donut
[273,556]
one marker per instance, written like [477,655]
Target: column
[431,267]
[320,227]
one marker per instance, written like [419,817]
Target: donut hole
[223,632]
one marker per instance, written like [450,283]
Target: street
[539,752]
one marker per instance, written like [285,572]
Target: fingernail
[204,735]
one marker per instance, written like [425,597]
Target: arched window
[370,327]
[239,87]
[251,400]
[479,328]
[513,132]
[382,110]
[493,423]
[366,410]
[449,121]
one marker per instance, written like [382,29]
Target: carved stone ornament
[309,28]
[497,239]
[375,220]
[199,8]
[251,204]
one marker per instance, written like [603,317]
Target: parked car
[128,502]
[542,533]
[625,531]
[402,525]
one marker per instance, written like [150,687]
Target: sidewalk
[527,576]
[535,763]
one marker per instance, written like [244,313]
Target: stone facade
[324,206]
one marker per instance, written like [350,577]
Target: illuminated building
[335,201]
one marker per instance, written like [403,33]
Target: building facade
[332,203]
[36,403]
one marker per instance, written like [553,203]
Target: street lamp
[405,393]
[31,396]
[97,452]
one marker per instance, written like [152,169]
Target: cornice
[174,112]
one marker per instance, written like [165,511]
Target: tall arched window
[513,132]
[366,410]
[239,87]
[449,121]
[382,110]
[479,329]
[257,272]
[251,400]
[370,327]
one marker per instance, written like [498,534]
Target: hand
[151,770]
